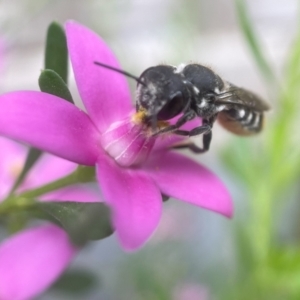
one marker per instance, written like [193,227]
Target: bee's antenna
[119,71]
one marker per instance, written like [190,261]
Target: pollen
[162,124]
[159,126]
[139,117]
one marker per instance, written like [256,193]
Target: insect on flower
[164,92]
[133,167]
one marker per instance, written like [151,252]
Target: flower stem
[52,186]
[26,199]
[11,205]
[80,175]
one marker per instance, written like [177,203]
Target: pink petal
[105,93]
[191,291]
[135,201]
[12,157]
[31,260]
[78,193]
[127,142]
[184,179]
[47,169]
[49,123]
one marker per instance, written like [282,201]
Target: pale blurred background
[191,255]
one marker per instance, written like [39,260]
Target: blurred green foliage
[269,167]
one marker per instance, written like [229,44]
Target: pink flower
[191,291]
[32,259]
[133,168]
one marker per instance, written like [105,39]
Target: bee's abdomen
[241,121]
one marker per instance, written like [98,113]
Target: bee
[190,91]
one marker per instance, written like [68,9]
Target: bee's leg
[204,129]
[195,131]
[194,148]
[206,141]
[187,116]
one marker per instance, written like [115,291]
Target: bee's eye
[174,107]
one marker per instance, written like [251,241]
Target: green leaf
[251,38]
[83,221]
[285,259]
[75,282]
[244,253]
[32,157]
[56,56]
[50,82]
[53,82]
[284,268]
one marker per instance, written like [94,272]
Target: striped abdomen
[241,120]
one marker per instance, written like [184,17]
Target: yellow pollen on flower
[139,117]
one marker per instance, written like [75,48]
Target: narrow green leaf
[251,38]
[83,221]
[290,94]
[75,282]
[50,82]
[56,56]
[56,59]
[32,157]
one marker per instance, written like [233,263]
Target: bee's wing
[240,96]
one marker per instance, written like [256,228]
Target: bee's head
[162,95]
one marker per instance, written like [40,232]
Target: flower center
[128,142]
